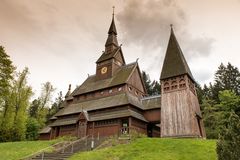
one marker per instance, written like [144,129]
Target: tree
[210,118]
[226,78]
[32,128]
[55,106]
[45,99]
[6,75]
[153,88]
[34,108]
[6,107]
[21,95]
[228,147]
[147,82]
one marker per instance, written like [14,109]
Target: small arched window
[166,86]
[182,83]
[174,85]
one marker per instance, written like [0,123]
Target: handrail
[72,143]
[40,151]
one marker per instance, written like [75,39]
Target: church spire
[174,63]
[111,42]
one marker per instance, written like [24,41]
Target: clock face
[104,70]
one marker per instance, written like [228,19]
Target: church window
[182,83]
[166,86]
[174,85]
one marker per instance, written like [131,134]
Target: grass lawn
[17,150]
[155,149]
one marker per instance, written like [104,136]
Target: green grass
[155,149]
[17,150]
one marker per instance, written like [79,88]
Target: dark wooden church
[114,100]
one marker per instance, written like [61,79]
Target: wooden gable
[135,79]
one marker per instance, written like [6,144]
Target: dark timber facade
[114,100]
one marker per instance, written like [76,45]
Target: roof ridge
[151,97]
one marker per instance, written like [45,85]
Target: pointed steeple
[112,42]
[174,63]
[69,91]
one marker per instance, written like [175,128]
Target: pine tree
[6,107]
[6,74]
[228,147]
[153,88]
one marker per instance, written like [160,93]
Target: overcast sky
[60,40]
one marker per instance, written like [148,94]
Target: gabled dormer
[112,58]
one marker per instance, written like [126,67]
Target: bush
[228,145]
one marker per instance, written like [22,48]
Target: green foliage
[34,107]
[226,78]
[41,107]
[22,94]
[154,149]
[216,114]
[153,88]
[228,145]
[6,107]
[6,75]
[32,129]
[55,106]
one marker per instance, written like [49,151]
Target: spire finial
[171,26]
[113,10]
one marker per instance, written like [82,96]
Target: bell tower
[112,58]
[180,110]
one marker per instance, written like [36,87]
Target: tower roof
[112,29]
[112,34]
[174,63]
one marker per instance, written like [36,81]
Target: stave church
[114,100]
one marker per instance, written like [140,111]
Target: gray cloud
[146,23]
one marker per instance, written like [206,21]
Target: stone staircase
[67,150]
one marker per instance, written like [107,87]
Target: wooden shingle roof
[101,103]
[174,63]
[92,83]
[117,114]
[65,121]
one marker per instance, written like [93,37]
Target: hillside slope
[17,150]
[155,149]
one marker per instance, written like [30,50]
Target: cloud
[146,23]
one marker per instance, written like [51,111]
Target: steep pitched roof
[113,54]
[174,63]
[112,34]
[93,84]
